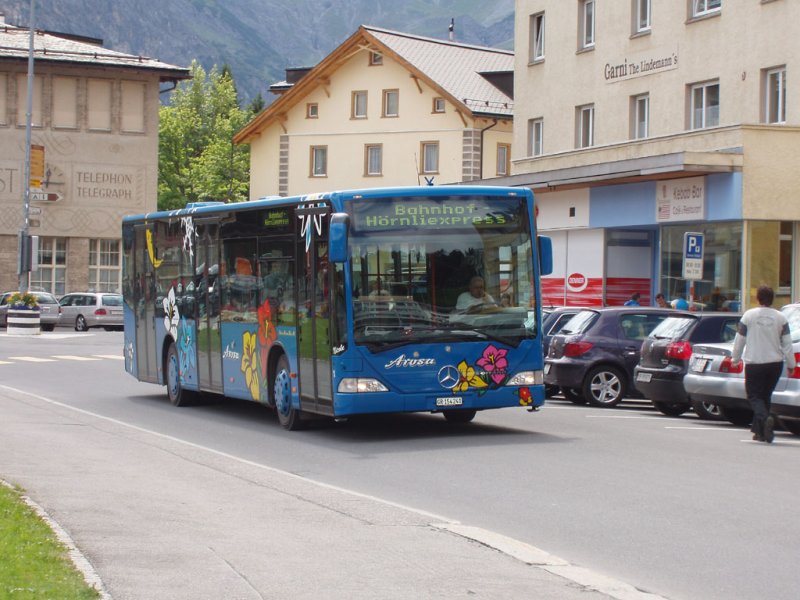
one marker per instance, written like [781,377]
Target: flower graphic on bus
[267,334]
[524,395]
[494,363]
[171,314]
[186,349]
[467,378]
[250,366]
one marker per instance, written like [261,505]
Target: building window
[373,160]
[503,159]
[535,137]
[785,260]
[319,161]
[438,105]
[312,110]
[65,102]
[105,271]
[22,100]
[51,274]
[375,59]
[133,97]
[640,113]
[585,125]
[586,25]
[358,105]
[775,95]
[642,15]
[391,103]
[705,105]
[430,157]
[705,7]
[99,118]
[3,99]
[537,37]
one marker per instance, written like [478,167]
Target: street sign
[34,223]
[693,249]
[39,196]
[34,210]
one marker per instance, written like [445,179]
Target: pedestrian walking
[661,302]
[763,340]
[634,300]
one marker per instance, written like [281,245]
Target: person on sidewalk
[661,302]
[763,340]
[634,301]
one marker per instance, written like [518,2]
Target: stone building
[95,121]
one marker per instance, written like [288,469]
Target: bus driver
[475,298]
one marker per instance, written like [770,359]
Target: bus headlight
[352,385]
[527,378]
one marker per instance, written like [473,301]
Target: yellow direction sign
[37,165]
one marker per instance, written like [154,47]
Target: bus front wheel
[288,416]
[459,416]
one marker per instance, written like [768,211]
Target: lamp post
[24,244]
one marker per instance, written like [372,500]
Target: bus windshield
[441,269]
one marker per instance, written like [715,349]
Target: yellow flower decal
[250,364]
[156,261]
[467,378]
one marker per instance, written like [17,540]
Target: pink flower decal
[494,362]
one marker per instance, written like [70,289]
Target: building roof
[66,49]
[460,72]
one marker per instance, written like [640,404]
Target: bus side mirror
[545,255]
[337,239]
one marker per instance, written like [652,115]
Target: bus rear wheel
[459,416]
[288,416]
[175,392]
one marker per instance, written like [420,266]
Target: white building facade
[638,122]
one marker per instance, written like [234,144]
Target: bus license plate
[451,401]
[700,365]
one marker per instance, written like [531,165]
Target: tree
[197,157]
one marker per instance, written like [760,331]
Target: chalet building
[638,122]
[385,109]
[95,128]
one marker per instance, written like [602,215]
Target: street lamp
[25,251]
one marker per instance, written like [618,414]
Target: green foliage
[20,300]
[197,158]
[34,563]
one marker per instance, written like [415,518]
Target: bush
[20,300]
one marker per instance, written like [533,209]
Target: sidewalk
[160,518]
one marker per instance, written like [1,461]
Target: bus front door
[144,298]
[207,296]
[314,318]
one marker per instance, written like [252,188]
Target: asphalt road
[677,506]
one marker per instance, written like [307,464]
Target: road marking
[6,362]
[516,549]
[624,417]
[71,357]
[32,359]
[111,356]
[707,428]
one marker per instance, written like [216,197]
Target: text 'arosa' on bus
[369,301]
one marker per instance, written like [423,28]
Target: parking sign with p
[692,255]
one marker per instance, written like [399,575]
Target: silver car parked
[713,378]
[48,309]
[83,310]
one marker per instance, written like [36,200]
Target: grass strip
[34,564]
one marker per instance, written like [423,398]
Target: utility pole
[24,244]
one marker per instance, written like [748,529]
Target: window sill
[642,33]
[536,61]
[585,49]
[703,17]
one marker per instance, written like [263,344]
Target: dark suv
[665,358]
[594,355]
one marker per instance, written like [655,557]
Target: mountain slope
[259,38]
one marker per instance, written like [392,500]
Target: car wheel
[738,416]
[671,410]
[707,410]
[80,324]
[459,416]
[573,395]
[175,392]
[604,387]
[48,327]
[550,391]
[288,416]
[791,425]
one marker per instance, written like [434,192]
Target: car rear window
[673,328]
[580,322]
[45,298]
[112,300]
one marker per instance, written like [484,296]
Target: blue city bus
[343,303]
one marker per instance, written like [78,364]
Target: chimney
[452,29]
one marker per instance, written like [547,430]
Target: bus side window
[240,290]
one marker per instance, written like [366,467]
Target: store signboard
[681,200]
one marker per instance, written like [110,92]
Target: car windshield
[580,322]
[673,328]
[441,269]
[112,300]
[792,314]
